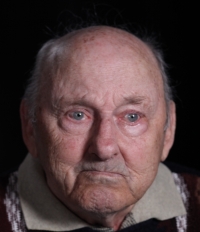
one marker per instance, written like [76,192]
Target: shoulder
[11,218]
[5,225]
[177,168]
[186,178]
[187,181]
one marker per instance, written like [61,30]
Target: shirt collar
[43,211]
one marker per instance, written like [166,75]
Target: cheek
[70,150]
[57,146]
[60,161]
[142,152]
[142,160]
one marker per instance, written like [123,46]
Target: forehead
[106,60]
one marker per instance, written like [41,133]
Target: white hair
[47,58]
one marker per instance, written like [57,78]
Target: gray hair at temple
[50,55]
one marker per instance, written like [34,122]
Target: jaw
[100,200]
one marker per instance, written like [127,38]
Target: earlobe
[27,128]
[170,130]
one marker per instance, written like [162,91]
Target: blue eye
[78,115]
[132,117]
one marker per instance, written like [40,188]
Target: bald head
[107,39]
[52,56]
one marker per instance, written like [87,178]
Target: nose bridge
[105,143]
[106,129]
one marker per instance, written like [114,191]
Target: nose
[104,142]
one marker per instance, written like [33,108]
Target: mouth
[104,171]
[102,175]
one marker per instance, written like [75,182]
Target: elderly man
[98,118]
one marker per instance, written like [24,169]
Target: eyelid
[87,113]
[123,117]
[71,125]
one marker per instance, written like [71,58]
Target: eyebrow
[134,100]
[57,106]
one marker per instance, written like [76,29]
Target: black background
[26,25]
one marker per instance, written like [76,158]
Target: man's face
[99,133]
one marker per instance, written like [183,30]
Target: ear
[170,131]
[27,129]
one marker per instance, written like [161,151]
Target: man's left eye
[132,117]
[78,115]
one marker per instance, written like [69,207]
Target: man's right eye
[76,121]
[77,115]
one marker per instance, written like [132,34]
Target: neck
[108,220]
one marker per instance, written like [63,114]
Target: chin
[100,199]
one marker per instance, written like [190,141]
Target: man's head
[102,121]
